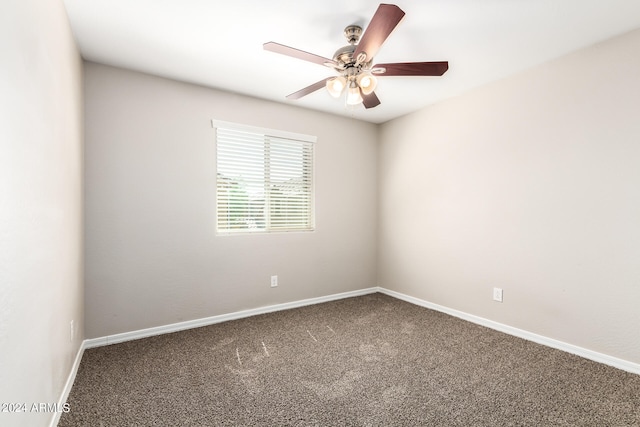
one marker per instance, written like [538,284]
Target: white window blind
[264,182]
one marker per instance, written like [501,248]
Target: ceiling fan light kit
[367,82]
[336,85]
[353,94]
[353,63]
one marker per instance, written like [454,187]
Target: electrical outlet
[73,331]
[274,281]
[497,294]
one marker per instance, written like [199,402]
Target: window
[264,180]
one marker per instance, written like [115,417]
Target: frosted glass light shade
[353,96]
[336,85]
[367,83]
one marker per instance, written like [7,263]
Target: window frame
[266,133]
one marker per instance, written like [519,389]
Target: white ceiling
[219,43]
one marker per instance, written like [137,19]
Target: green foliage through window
[264,182]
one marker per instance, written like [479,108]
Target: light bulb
[336,85]
[367,83]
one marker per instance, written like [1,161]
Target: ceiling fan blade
[307,90]
[412,69]
[382,24]
[370,101]
[297,53]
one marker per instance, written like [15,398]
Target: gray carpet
[366,361]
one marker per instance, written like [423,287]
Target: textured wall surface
[529,184]
[40,206]
[152,255]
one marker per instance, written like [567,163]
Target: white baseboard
[181,326]
[530,336]
[520,333]
[68,385]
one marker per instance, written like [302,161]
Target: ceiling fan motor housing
[344,56]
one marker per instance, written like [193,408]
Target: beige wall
[530,184]
[40,205]
[152,256]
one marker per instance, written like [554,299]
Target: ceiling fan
[353,63]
